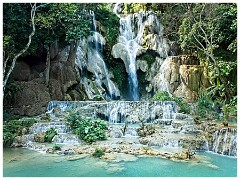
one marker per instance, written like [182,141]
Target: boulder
[39,137]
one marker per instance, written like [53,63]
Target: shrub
[204,105]
[98,152]
[56,147]
[184,107]
[165,96]
[49,134]
[14,128]
[88,130]
[162,96]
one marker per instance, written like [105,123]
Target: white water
[127,38]
[95,60]
[225,141]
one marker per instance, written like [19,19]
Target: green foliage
[56,147]
[134,7]
[165,96]
[228,25]
[204,105]
[109,21]
[88,130]
[49,134]
[16,28]
[230,110]
[224,86]
[150,58]
[13,128]
[63,19]
[98,152]
[184,107]
[208,26]
[162,96]
[120,75]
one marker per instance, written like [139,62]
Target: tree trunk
[6,77]
[72,53]
[47,66]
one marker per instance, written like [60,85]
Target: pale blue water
[26,163]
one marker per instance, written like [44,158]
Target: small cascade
[167,112]
[66,139]
[224,142]
[62,105]
[43,127]
[120,111]
[164,84]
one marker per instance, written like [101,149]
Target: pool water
[26,163]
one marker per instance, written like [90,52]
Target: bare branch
[198,41]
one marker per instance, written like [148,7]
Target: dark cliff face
[28,94]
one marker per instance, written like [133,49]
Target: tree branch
[23,50]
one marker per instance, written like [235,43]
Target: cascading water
[139,33]
[89,58]
[95,60]
[133,81]
[224,142]
[126,37]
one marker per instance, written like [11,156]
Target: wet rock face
[182,76]
[144,30]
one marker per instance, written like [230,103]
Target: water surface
[26,163]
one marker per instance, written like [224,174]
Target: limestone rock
[180,75]
[64,74]
[31,99]
[39,137]
[142,65]
[119,51]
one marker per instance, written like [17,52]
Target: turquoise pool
[26,163]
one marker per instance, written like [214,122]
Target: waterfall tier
[120,111]
[224,141]
[90,57]
[139,32]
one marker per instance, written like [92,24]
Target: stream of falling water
[127,38]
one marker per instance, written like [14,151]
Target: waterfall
[164,84]
[89,57]
[224,142]
[95,60]
[139,33]
[133,81]
[127,38]
[119,111]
